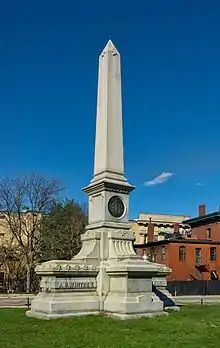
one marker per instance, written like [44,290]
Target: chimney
[150,232]
[202,210]
[176,228]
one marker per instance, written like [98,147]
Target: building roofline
[158,221]
[207,217]
[159,242]
[180,241]
[165,214]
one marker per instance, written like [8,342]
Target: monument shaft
[109,136]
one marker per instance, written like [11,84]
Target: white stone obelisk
[109,150]
[106,276]
[109,158]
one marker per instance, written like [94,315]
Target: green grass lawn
[192,327]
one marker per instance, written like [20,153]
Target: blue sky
[171,85]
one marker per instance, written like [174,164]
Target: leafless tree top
[32,193]
[25,200]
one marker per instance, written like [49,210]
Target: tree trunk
[28,279]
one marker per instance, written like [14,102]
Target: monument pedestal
[130,289]
[119,285]
[67,289]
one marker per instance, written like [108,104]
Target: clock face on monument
[116,207]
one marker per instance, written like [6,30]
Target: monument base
[130,288]
[50,316]
[64,305]
[70,289]
[67,289]
[135,316]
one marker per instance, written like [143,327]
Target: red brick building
[192,256]
[189,259]
[205,226]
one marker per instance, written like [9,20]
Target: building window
[212,254]
[153,256]
[198,258]
[208,233]
[182,253]
[144,254]
[154,259]
[1,277]
[163,253]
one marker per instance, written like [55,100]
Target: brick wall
[186,269]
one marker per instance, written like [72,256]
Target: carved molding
[53,267]
[121,235]
[164,270]
[121,245]
[123,248]
[90,235]
[106,186]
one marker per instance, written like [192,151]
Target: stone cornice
[109,224]
[67,267]
[98,187]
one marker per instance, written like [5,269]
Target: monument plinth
[107,276]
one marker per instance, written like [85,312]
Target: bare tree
[12,264]
[25,201]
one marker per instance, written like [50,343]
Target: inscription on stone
[76,285]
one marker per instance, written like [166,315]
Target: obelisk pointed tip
[110,47]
